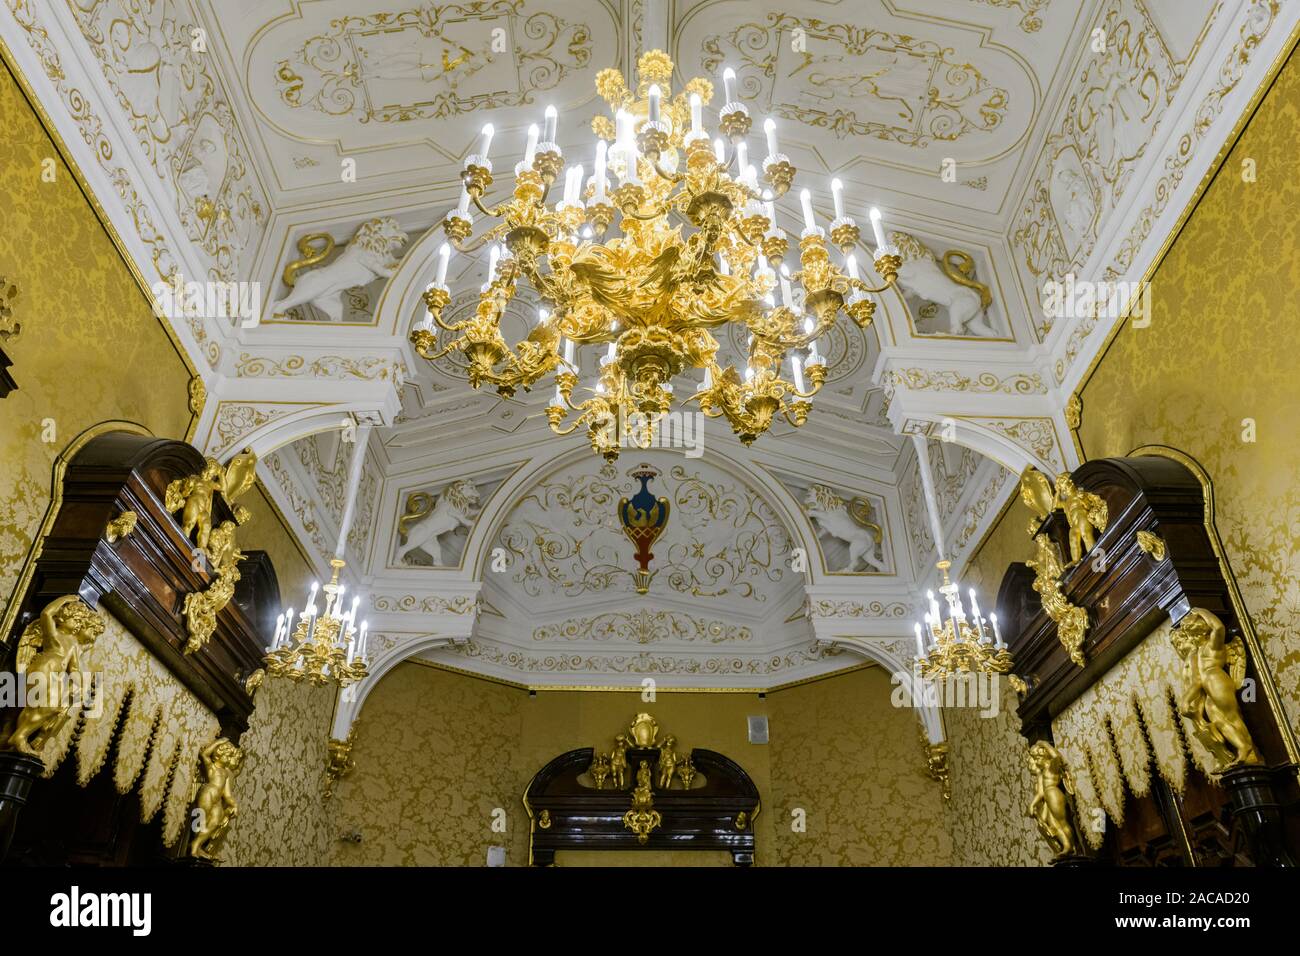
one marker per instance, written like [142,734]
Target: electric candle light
[796,366]
[654,103]
[697,115]
[920,642]
[530,150]
[851,265]
[552,117]
[805,200]
[568,352]
[444,257]
[720,151]
[787,299]
[769,127]
[486,143]
[878,230]
[601,154]
[742,159]
[729,85]
[462,207]
[837,193]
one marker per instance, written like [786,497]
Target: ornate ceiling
[220,134]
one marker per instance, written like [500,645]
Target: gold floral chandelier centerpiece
[686,242]
[962,643]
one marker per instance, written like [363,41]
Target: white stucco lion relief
[427,520]
[949,284]
[371,254]
[849,522]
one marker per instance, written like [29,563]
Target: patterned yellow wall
[853,762]
[1220,351]
[437,752]
[90,348]
[75,291]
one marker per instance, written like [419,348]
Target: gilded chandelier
[686,242]
[325,646]
[961,644]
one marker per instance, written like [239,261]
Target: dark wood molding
[583,818]
[7,383]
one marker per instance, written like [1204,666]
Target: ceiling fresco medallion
[427,62]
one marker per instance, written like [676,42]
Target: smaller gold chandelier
[961,644]
[325,646]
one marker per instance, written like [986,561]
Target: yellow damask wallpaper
[1215,372]
[80,292]
[848,758]
[439,752]
[991,786]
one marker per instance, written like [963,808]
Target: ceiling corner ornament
[371,254]
[947,285]
[1152,544]
[427,518]
[643,518]
[1074,412]
[651,294]
[191,498]
[850,522]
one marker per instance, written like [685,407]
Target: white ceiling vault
[219,134]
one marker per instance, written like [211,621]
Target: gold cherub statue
[192,497]
[1085,513]
[618,762]
[48,651]
[1052,806]
[667,762]
[1213,670]
[214,806]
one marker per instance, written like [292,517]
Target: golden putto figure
[1213,671]
[49,653]
[618,762]
[1085,513]
[1052,807]
[214,806]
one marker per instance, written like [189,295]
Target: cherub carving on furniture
[49,651]
[214,806]
[599,770]
[668,760]
[1052,806]
[1213,670]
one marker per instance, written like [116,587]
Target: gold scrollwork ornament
[642,818]
[1071,620]
[120,527]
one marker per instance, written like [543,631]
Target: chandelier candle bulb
[708,377]
[837,194]
[720,151]
[602,149]
[444,257]
[920,642]
[787,299]
[462,207]
[697,115]
[530,150]
[997,634]
[805,200]
[568,352]
[878,230]
[486,143]
[797,368]
[655,94]
[769,127]
[729,85]
[552,118]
